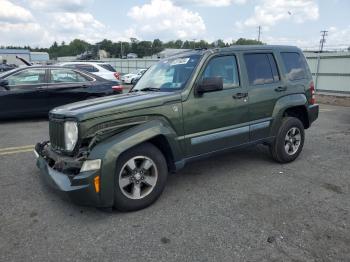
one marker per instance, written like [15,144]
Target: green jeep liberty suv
[117,151]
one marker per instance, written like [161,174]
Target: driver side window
[224,67]
[27,77]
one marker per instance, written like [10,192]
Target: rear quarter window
[295,65]
[107,67]
[87,68]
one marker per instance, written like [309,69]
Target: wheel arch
[299,112]
[158,132]
[290,105]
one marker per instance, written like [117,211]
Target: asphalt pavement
[239,206]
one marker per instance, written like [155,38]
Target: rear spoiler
[24,61]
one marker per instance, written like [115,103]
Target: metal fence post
[317,70]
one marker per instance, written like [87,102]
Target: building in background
[39,57]
[8,56]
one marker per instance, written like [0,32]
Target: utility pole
[322,41]
[259,32]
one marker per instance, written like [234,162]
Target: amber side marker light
[97,184]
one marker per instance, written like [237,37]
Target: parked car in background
[131,56]
[103,70]
[129,78]
[35,90]
[6,67]
[139,75]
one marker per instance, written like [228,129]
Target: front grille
[56,128]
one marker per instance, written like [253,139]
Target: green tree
[243,41]
[157,46]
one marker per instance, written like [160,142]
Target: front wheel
[289,140]
[140,178]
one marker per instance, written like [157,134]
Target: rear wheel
[289,141]
[140,179]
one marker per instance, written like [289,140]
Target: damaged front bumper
[64,175]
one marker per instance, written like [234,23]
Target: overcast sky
[297,22]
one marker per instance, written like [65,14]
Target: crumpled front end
[64,175]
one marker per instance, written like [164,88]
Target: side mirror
[209,84]
[4,83]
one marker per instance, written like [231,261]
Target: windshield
[168,75]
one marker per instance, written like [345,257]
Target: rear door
[27,94]
[67,86]
[265,86]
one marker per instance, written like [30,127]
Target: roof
[83,63]
[202,51]
[257,47]
[14,51]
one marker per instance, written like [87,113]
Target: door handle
[240,95]
[280,88]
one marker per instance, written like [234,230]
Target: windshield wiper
[146,89]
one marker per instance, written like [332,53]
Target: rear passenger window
[262,69]
[67,76]
[88,68]
[224,67]
[294,64]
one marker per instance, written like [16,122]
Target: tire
[285,148]
[140,177]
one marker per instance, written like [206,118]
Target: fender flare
[282,105]
[111,148]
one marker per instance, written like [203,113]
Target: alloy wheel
[292,141]
[138,177]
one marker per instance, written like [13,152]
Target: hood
[116,104]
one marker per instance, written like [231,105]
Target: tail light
[118,88]
[312,91]
[117,75]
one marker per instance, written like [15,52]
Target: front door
[27,93]
[216,120]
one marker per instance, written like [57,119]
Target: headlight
[70,134]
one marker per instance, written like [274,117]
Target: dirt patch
[333,188]
[333,100]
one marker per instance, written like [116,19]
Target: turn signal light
[97,184]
